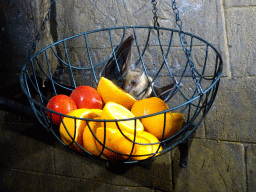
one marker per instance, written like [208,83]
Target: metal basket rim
[217,77]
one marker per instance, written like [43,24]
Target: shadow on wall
[6,50]
[17,26]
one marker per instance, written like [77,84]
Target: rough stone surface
[19,180]
[17,30]
[72,164]
[62,183]
[7,116]
[233,115]
[110,188]
[251,169]
[65,184]
[159,175]
[21,148]
[46,38]
[197,14]
[237,3]
[75,165]
[241,37]
[212,166]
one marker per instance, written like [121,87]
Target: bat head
[136,83]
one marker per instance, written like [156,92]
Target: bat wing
[117,65]
[166,92]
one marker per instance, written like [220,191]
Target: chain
[185,47]
[37,38]
[155,18]
[179,24]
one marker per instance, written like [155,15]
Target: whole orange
[167,122]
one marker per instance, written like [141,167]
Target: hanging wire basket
[157,51]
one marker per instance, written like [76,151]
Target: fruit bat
[132,79]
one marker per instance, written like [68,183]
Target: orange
[116,142]
[155,124]
[112,93]
[88,138]
[148,106]
[113,111]
[144,137]
[72,129]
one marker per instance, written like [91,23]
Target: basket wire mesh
[156,51]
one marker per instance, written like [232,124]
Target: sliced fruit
[112,93]
[89,141]
[72,129]
[116,142]
[113,111]
[155,124]
[144,137]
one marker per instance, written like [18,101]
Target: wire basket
[158,52]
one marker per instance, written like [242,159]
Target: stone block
[109,188]
[237,3]
[72,164]
[22,150]
[158,175]
[199,132]
[65,184]
[251,167]
[241,33]
[233,114]
[19,180]
[7,116]
[212,166]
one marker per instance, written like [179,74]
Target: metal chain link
[182,40]
[155,18]
[42,28]
[185,47]
[179,24]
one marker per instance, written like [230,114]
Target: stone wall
[221,153]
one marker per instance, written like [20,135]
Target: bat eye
[133,82]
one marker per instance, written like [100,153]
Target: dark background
[17,31]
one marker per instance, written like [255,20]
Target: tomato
[62,104]
[87,97]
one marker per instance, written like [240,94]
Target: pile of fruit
[115,122]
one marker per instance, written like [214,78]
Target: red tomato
[87,97]
[62,104]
